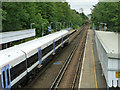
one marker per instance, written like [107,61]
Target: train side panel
[22,59]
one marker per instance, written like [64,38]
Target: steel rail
[77,70]
[64,68]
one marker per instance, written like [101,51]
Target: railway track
[67,77]
[35,83]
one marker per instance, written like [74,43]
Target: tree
[19,15]
[107,12]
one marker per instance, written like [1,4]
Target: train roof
[37,43]
[10,54]
[109,41]
[6,58]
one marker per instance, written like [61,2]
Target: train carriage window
[57,42]
[65,37]
[47,50]
[4,79]
[8,81]
[44,52]
[17,70]
[33,59]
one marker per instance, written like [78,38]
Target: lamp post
[43,28]
[60,26]
[50,24]
[31,25]
[56,26]
[64,24]
[68,25]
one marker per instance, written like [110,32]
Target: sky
[85,4]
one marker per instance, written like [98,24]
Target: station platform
[91,72]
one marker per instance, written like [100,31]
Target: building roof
[6,37]
[110,42]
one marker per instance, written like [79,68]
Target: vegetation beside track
[107,12]
[20,15]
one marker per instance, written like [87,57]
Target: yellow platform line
[94,69]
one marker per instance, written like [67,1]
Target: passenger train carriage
[17,62]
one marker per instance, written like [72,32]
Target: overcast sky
[85,4]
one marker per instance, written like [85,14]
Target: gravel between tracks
[68,77]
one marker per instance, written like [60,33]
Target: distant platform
[101,62]
[91,71]
[6,37]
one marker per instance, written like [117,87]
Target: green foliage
[107,12]
[19,16]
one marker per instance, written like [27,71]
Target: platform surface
[91,72]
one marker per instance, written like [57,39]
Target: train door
[53,46]
[5,77]
[67,36]
[40,56]
[62,42]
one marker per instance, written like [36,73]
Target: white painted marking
[82,65]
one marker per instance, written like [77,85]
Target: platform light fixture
[31,25]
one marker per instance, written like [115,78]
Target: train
[17,63]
